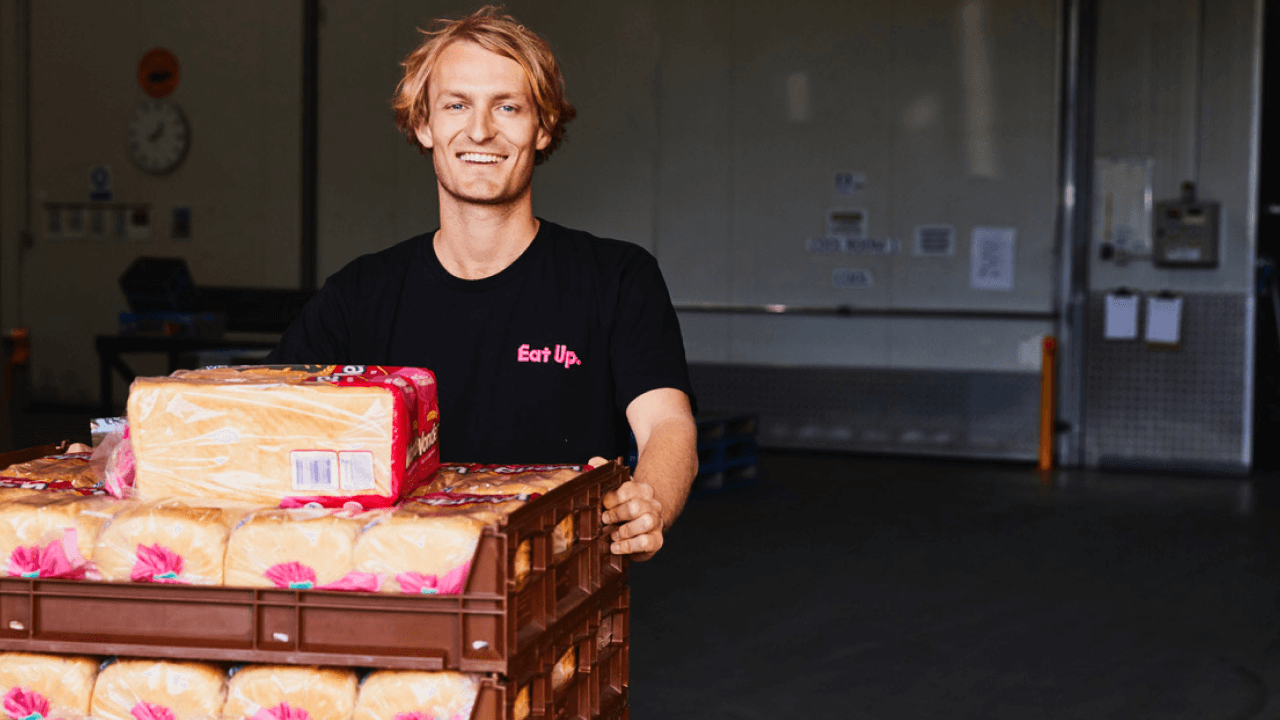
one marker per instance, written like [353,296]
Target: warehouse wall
[684,145]
[888,97]
[1178,87]
[240,91]
[710,132]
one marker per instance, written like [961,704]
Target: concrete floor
[841,587]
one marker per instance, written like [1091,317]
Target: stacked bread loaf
[424,545]
[305,478]
[321,434]
[221,456]
[53,686]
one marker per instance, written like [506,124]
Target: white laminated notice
[314,469]
[1121,317]
[992,267]
[1122,203]
[356,470]
[1164,320]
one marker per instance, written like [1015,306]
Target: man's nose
[480,128]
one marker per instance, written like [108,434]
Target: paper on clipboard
[993,253]
[1164,320]
[1121,317]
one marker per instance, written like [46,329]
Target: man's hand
[646,506]
[635,507]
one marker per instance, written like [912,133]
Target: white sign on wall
[850,183]
[847,223]
[839,245]
[935,240]
[1122,203]
[992,263]
[850,278]
[870,246]
[825,245]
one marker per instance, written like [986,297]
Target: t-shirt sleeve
[645,344]
[319,334]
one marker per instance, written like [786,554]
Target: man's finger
[631,509]
[627,491]
[624,492]
[641,525]
[647,543]
[596,462]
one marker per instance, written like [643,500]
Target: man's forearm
[668,462]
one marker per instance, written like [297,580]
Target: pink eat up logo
[563,355]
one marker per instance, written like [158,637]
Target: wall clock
[158,136]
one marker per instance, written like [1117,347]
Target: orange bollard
[1048,373]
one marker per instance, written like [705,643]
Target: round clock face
[158,136]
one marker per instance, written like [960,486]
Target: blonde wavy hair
[496,32]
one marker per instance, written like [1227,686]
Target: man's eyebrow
[446,94]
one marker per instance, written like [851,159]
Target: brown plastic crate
[599,630]
[480,630]
[31,453]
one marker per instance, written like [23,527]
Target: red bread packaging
[65,471]
[285,435]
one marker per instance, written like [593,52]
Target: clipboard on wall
[1120,315]
[1164,321]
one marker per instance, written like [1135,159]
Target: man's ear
[424,135]
[544,137]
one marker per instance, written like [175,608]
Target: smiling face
[483,129]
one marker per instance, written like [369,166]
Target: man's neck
[479,241]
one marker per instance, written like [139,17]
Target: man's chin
[491,198]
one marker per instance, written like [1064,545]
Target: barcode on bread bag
[314,469]
[356,469]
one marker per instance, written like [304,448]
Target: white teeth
[480,158]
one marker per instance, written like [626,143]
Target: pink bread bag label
[157,563]
[297,576]
[283,711]
[23,704]
[150,711]
[60,558]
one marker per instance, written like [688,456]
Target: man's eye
[508,108]
[454,106]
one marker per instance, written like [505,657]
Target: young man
[548,343]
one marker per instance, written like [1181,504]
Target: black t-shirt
[535,364]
